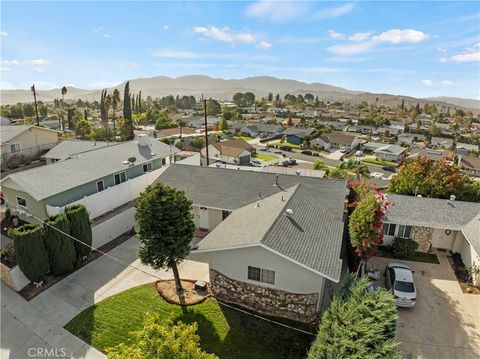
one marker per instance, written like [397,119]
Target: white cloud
[264,45]
[224,34]
[38,65]
[350,49]
[442,60]
[448,82]
[360,36]
[335,35]
[335,11]
[107,36]
[4,69]
[277,11]
[471,54]
[427,82]
[3,33]
[471,57]
[397,36]
[166,27]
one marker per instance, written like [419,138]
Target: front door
[203,218]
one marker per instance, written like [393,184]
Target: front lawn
[264,157]
[223,331]
[386,251]
[286,144]
[246,138]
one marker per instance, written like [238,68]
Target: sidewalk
[39,323]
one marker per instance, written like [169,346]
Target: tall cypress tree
[30,251]
[80,228]
[61,249]
[127,113]
[140,102]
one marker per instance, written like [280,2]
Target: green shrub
[404,247]
[80,229]
[358,324]
[61,249]
[30,251]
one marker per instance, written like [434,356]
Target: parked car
[388,168]
[256,163]
[344,149]
[306,152]
[358,154]
[286,148]
[292,161]
[399,280]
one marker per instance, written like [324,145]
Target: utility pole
[206,129]
[35,100]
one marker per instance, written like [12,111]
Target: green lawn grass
[371,160]
[264,157]
[278,143]
[223,331]
[385,251]
[246,138]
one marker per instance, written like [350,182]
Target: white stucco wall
[288,275]
[214,217]
[113,227]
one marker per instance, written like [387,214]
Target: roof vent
[125,162]
[289,212]
[452,197]
[276,180]
[257,205]
[132,160]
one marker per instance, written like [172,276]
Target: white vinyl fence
[112,197]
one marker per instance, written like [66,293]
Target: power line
[152,275]
[87,245]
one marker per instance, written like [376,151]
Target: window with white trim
[164,161]
[100,186]
[389,229]
[14,147]
[261,275]
[404,231]
[21,202]
[120,177]
[147,167]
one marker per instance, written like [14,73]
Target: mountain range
[221,89]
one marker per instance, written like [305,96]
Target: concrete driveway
[40,322]
[445,323]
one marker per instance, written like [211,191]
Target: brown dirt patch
[189,295]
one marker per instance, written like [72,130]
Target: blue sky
[409,48]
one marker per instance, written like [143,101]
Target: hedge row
[42,250]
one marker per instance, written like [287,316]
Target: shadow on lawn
[261,338]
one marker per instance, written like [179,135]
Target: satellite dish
[132,159]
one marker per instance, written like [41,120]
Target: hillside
[221,89]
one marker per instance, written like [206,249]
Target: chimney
[276,180]
[143,140]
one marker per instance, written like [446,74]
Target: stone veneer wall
[423,236]
[275,302]
[6,277]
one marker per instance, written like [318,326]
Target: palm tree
[115,101]
[319,165]
[64,92]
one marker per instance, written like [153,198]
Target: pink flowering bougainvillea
[365,222]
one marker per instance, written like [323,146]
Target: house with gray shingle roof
[390,153]
[86,174]
[277,239]
[435,223]
[69,148]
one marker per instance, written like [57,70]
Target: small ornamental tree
[365,222]
[165,227]
[159,339]
[61,248]
[80,229]
[30,251]
[359,323]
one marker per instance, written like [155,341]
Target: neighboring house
[372,146]
[388,132]
[25,142]
[176,131]
[236,152]
[335,140]
[435,223]
[469,165]
[429,154]
[47,189]
[276,242]
[390,153]
[335,125]
[464,148]
[259,129]
[295,135]
[66,149]
[441,142]
[410,138]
